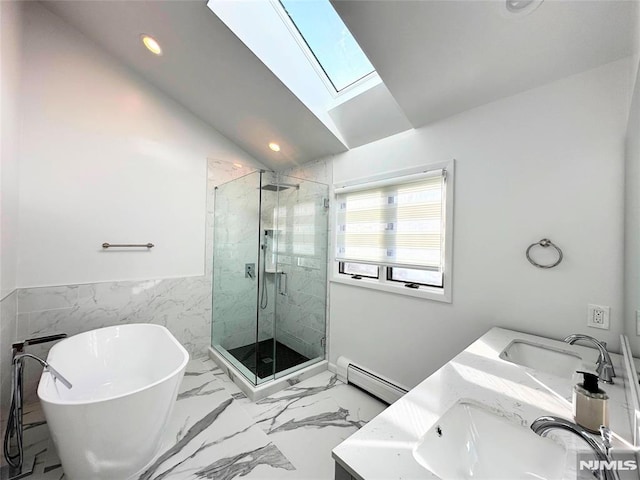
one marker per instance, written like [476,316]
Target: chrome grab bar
[113,245]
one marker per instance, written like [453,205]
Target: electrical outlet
[598,316]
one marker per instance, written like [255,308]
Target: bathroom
[228,140]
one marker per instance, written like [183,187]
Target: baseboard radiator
[375,384]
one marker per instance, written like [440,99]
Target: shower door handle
[283,284]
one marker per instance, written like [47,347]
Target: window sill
[427,293]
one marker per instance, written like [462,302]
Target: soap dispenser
[590,403]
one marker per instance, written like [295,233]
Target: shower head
[279,186]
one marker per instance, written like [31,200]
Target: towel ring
[545,242]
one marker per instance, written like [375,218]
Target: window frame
[353,275]
[389,275]
[441,294]
[313,60]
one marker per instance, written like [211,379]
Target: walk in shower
[270,274]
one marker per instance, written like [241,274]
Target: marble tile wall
[319,171]
[301,321]
[183,305]
[236,244]
[300,316]
[218,173]
[8,332]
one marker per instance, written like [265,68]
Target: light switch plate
[637,322]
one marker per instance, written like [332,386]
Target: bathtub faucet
[18,358]
[18,347]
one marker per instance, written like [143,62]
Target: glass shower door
[301,247]
[235,272]
[267,273]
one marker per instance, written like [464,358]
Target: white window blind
[397,223]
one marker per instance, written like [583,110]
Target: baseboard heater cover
[375,384]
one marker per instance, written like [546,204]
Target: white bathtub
[125,382]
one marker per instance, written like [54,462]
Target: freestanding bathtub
[125,382]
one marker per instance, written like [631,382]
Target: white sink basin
[471,442]
[543,358]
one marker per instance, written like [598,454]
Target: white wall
[10,33]
[106,158]
[544,163]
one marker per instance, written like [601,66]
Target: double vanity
[472,418]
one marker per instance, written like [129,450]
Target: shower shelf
[268,270]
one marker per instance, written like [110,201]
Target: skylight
[329,40]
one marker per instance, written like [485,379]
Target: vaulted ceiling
[439,58]
[207,69]
[436,58]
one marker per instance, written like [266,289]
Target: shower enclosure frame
[290,225]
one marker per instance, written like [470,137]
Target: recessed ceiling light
[152,44]
[522,7]
[274,146]
[237,165]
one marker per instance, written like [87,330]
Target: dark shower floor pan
[285,357]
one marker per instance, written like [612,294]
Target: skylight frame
[313,60]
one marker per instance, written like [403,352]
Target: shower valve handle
[249,270]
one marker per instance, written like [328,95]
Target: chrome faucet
[542,425]
[604,365]
[54,373]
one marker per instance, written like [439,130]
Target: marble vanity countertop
[383,449]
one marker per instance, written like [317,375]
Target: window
[359,270]
[419,277]
[394,233]
[329,41]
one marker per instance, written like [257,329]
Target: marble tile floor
[216,432]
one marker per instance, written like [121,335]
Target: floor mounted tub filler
[125,383]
